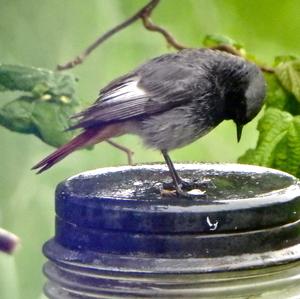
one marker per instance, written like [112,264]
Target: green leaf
[273,127]
[51,120]
[283,59]
[46,120]
[16,115]
[213,40]
[46,108]
[288,74]
[36,81]
[287,154]
[279,142]
[278,97]
[291,164]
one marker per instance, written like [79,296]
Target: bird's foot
[188,185]
[195,193]
[187,188]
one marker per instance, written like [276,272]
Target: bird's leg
[176,178]
[179,184]
[128,152]
[177,181]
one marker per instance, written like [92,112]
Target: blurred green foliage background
[45,33]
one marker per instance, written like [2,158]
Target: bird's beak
[239,129]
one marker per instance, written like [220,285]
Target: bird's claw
[184,189]
[191,184]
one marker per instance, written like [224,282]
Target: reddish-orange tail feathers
[88,137]
[79,141]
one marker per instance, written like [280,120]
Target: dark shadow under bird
[170,101]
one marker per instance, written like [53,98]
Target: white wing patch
[125,92]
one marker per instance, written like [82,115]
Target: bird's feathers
[79,141]
[86,138]
[155,87]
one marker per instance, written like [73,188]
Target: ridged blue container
[117,237]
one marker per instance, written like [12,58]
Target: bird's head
[246,96]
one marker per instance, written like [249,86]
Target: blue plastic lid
[120,210]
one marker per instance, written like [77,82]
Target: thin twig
[267,69]
[228,49]
[144,14]
[124,149]
[167,35]
[146,10]
[236,52]
[8,241]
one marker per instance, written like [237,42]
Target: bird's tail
[88,137]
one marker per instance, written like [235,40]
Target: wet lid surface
[238,198]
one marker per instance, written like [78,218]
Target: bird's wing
[156,86]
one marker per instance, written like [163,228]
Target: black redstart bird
[170,101]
